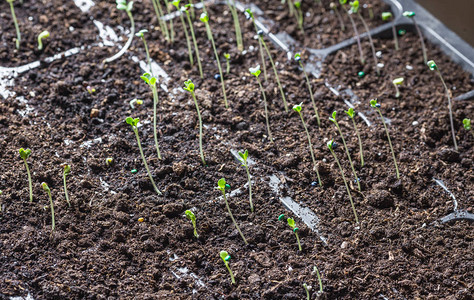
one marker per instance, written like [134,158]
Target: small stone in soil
[314,183]
[415,123]
[217,77]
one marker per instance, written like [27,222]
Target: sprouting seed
[66,171]
[41,36]
[396,83]
[135,102]
[90,89]
[15,21]
[151,81]
[225,258]
[24,154]
[298,59]
[48,191]
[189,86]
[256,72]
[190,215]
[292,224]
[351,115]
[127,7]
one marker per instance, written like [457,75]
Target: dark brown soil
[100,249]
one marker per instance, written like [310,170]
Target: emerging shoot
[189,86]
[225,258]
[331,145]
[134,123]
[15,21]
[135,102]
[243,159]
[256,72]
[24,154]
[299,15]
[41,36]
[127,7]
[396,83]
[467,125]
[190,215]
[307,288]
[48,191]
[141,34]
[411,15]
[159,15]
[238,32]
[90,89]
[222,186]
[374,104]
[186,34]
[351,115]
[186,9]
[151,81]
[66,171]
[349,13]
[292,224]
[315,269]
[387,16]
[298,59]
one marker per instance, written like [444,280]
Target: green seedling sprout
[374,104]
[292,224]
[15,21]
[127,7]
[189,86]
[298,59]
[134,123]
[48,191]
[41,36]
[396,83]
[135,102]
[349,13]
[186,34]
[249,15]
[298,109]
[151,81]
[307,288]
[411,15]
[90,90]
[141,34]
[315,269]
[256,72]
[238,31]
[225,258]
[467,125]
[331,145]
[351,115]
[159,15]
[387,16]
[222,186]
[109,161]
[205,19]
[66,171]
[243,159]
[355,10]
[299,15]
[333,119]
[168,10]
[190,215]
[186,9]
[291,7]
[24,154]
[433,67]
[334,7]
[227,60]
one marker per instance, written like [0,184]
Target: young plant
[467,125]
[355,10]
[190,215]
[189,86]
[298,109]
[351,115]
[151,81]
[307,288]
[333,119]
[41,36]
[299,15]
[186,35]
[396,83]
[48,191]
[159,15]
[141,34]
[222,186]
[205,19]
[292,224]
[90,90]
[134,123]
[66,171]
[15,21]
[186,9]
[243,159]
[298,59]
[334,7]
[227,60]
[349,13]
[127,7]
[256,72]
[433,67]
[387,16]
[411,15]
[315,269]
[225,258]
[168,10]
[134,102]
[238,31]
[374,104]
[331,145]
[24,154]
[249,15]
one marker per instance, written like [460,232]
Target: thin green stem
[298,240]
[17,28]
[319,279]
[347,186]
[171,20]
[371,42]
[238,32]
[423,48]
[227,66]
[339,17]
[291,7]
[311,94]
[361,53]
[233,220]
[155,130]
[394,33]
[159,14]
[390,143]
[360,143]
[195,228]
[209,35]
[315,167]
[30,184]
[450,110]
[192,9]
[250,185]
[276,73]
[144,161]
[195,43]
[53,223]
[200,128]
[266,110]
[65,190]
[188,42]
[148,59]
[348,155]
[127,44]
[397,94]
[230,272]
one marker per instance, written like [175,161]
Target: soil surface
[101,247]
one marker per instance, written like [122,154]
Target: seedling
[331,145]
[159,15]
[222,186]
[66,171]
[256,72]
[396,83]
[238,32]
[387,16]
[374,104]
[48,191]
[90,90]
[298,59]
[355,10]
[467,125]
[307,288]
[186,34]
[299,15]
[24,154]
[225,258]
[135,102]
[227,60]
[411,15]
[315,269]
[243,159]
[127,7]
[298,109]
[141,34]
[151,81]
[349,13]
[249,15]
[15,21]
[190,215]
[292,224]
[109,161]
[186,9]
[41,36]
[351,115]
[168,10]
[334,7]
[134,123]
[205,19]
[291,8]
[189,86]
